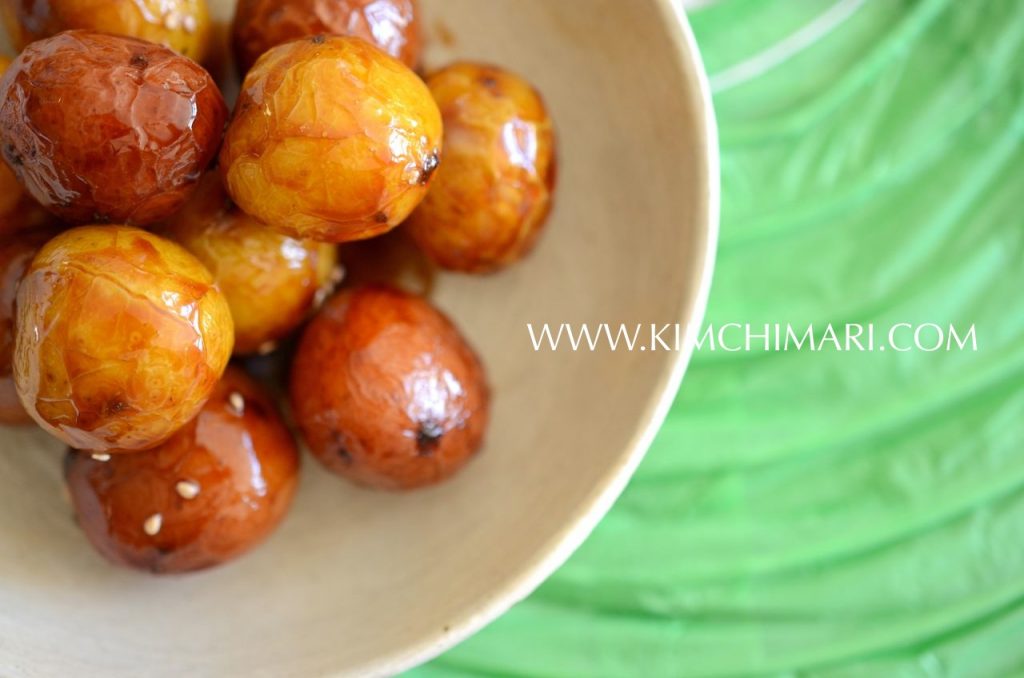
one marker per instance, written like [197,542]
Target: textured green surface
[830,514]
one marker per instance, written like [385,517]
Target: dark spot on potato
[11,153]
[428,437]
[381,217]
[114,406]
[489,81]
[317,39]
[139,61]
[339,447]
[429,167]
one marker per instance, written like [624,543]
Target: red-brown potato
[120,337]
[332,140]
[392,25]
[105,128]
[271,281]
[213,491]
[492,194]
[182,25]
[386,391]
[16,253]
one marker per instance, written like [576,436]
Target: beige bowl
[360,582]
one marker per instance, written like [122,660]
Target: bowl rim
[604,494]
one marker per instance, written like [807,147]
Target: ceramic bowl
[358,582]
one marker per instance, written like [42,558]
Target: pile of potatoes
[148,235]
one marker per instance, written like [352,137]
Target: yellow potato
[182,25]
[492,194]
[271,281]
[120,337]
[332,140]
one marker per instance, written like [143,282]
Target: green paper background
[829,514]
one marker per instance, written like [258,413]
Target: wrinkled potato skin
[332,140]
[182,25]
[15,255]
[101,128]
[244,464]
[120,338]
[391,25]
[386,391]
[492,194]
[270,281]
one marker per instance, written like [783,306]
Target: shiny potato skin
[102,128]
[220,486]
[16,253]
[492,194]
[386,392]
[120,338]
[271,281]
[182,25]
[391,25]
[331,140]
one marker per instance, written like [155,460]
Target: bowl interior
[356,580]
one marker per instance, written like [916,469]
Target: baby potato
[392,25]
[492,193]
[182,25]
[214,490]
[15,254]
[332,140]
[386,392]
[105,128]
[270,281]
[120,337]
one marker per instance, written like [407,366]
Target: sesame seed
[237,403]
[101,456]
[337,275]
[153,524]
[187,489]
[267,347]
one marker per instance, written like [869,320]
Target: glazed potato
[216,489]
[270,281]
[15,254]
[182,25]
[386,391]
[120,337]
[331,140]
[392,25]
[104,128]
[492,193]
